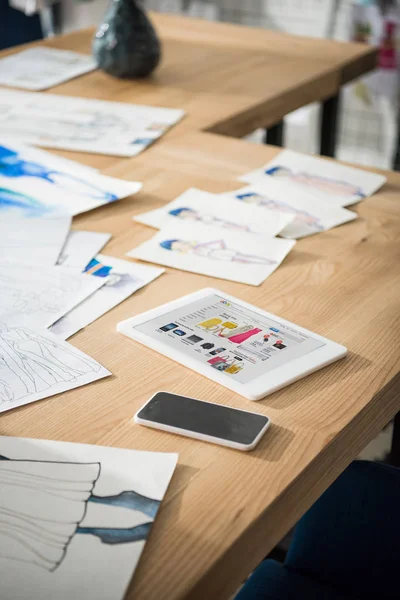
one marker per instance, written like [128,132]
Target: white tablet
[240,346]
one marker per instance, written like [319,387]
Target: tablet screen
[234,340]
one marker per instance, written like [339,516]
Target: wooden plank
[229,79]
[225,510]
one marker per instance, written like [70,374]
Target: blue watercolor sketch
[12,166]
[10,200]
[301,216]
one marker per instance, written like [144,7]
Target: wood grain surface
[225,509]
[229,79]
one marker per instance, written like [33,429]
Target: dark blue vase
[126,45]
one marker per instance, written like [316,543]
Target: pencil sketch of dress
[31,363]
[43,504]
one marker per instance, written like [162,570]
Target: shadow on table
[273,445]
[319,382]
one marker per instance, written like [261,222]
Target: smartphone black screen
[201,417]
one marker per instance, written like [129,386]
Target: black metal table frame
[328,128]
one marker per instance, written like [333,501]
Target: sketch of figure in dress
[31,363]
[45,504]
[327,185]
[215,250]
[189,214]
[16,202]
[301,216]
[12,166]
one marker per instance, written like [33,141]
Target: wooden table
[225,510]
[230,79]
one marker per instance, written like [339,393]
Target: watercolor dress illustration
[189,214]
[12,167]
[324,184]
[43,505]
[215,250]
[301,216]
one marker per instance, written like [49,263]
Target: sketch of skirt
[41,506]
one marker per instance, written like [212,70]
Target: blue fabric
[350,538]
[272,581]
[347,546]
[16,28]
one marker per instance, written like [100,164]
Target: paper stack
[51,276]
[232,235]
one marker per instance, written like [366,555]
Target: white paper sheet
[124,278]
[196,206]
[86,125]
[35,364]
[37,297]
[102,501]
[338,184]
[36,241]
[311,214]
[81,247]
[42,68]
[34,183]
[215,252]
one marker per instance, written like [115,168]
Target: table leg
[274,135]
[396,158]
[329,118]
[394,458]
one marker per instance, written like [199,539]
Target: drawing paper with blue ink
[215,251]
[123,279]
[325,179]
[35,364]
[197,206]
[75,517]
[83,124]
[34,183]
[310,213]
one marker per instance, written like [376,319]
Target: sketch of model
[31,363]
[216,250]
[13,166]
[43,505]
[80,125]
[189,214]
[324,184]
[301,216]
[17,202]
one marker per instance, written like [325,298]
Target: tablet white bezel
[261,386]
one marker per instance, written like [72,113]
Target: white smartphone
[239,429]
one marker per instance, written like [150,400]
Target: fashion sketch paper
[75,517]
[196,206]
[310,214]
[42,68]
[123,279]
[39,296]
[215,252]
[327,180]
[82,124]
[34,183]
[36,241]
[81,247]
[35,364]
